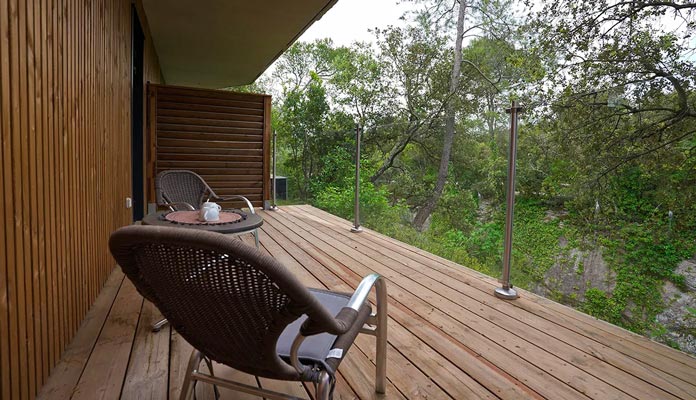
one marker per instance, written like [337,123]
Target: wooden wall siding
[64,172]
[152,73]
[223,136]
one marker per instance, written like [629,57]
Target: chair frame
[264,284]
[173,205]
[376,326]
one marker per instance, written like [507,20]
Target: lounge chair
[242,308]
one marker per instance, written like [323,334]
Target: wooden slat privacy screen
[65,171]
[222,136]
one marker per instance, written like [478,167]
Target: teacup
[210,212]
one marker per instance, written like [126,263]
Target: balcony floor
[449,337]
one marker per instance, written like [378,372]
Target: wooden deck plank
[103,375]
[538,381]
[147,376]
[226,372]
[668,360]
[651,359]
[65,376]
[180,352]
[357,378]
[586,354]
[448,336]
[458,388]
[293,388]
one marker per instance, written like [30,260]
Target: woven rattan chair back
[181,186]
[226,299]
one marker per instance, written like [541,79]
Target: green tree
[415,64]
[300,122]
[618,77]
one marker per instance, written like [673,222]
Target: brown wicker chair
[242,308]
[181,189]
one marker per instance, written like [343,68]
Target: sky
[349,20]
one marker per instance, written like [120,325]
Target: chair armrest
[345,317]
[341,322]
[294,359]
[178,204]
[236,196]
[363,291]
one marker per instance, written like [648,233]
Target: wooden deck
[449,337]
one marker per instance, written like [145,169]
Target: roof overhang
[220,43]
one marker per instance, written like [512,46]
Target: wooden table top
[250,222]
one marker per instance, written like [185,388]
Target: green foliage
[602,306]
[449,249]
[486,242]
[643,255]
[535,237]
[374,207]
[334,192]
[606,146]
[456,210]
[660,333]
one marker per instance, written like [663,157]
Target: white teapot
[210,212]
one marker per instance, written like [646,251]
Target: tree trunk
[431,203]
[399,147]
[490,119]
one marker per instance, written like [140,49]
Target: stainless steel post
[506,291]
[274,207]
[356,225]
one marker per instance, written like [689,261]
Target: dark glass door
[137,168]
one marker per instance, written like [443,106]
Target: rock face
[574,272]
[679,316]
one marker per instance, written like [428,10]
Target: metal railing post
[274,206]
[356,225]
[506,291]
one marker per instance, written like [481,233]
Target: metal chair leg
[323,387]
[187,387]
[157,326]
[256,237]
[381,356]
[210,368]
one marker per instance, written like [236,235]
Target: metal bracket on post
[506,292]
[356,225]
[274,207]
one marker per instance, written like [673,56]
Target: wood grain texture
[66,374]
[7,327]
[268,143]
[103,375]
[148,368]
[221,135]
[627,350]
[65,156]
[449,337]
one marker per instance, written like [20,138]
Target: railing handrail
[356,225]
[506,291]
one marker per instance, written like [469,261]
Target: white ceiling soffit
[220,43]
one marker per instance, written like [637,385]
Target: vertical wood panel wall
[222,136]
[65,70]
